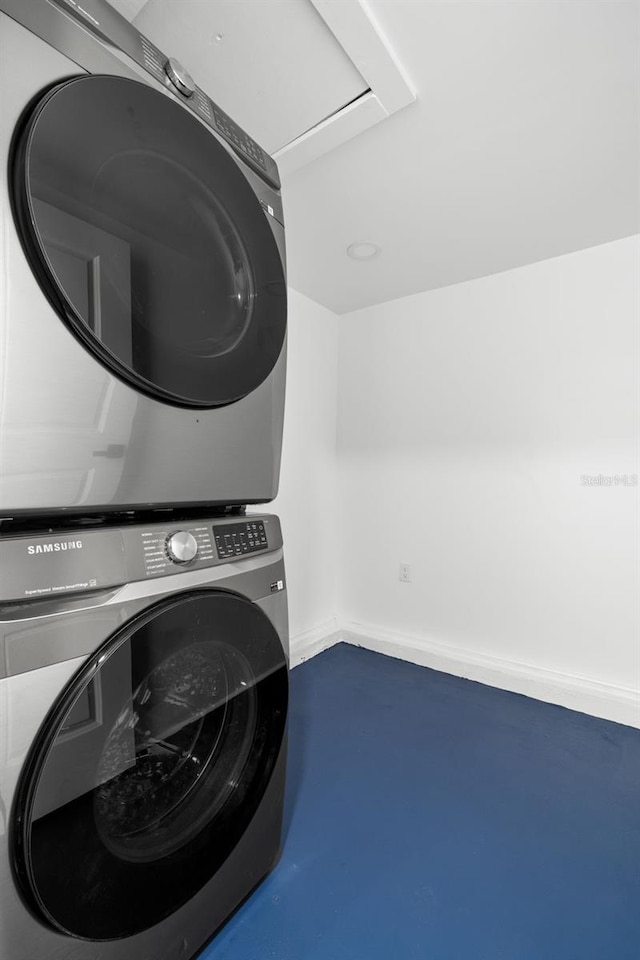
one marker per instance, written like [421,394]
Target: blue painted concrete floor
[432,818]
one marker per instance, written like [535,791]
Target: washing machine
[143,315]
[143,708]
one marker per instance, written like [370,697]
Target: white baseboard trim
[310,642]
[619,704]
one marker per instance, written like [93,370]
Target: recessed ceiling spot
[363,251]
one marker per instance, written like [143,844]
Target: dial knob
[180,78]
[182,547]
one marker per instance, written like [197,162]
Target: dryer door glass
[175,726]
[149,240]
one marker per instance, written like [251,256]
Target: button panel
[236,135]
[236,539]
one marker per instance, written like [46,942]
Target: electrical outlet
[404,575]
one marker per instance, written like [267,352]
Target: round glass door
[149,241]
[151,766]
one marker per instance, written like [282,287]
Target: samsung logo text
[54,547]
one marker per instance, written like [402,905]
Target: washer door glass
[149,241]
[174,727]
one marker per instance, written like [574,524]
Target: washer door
[151,766]
[149,241]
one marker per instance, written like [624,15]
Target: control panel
[236,539]
[76,559]
[165,549]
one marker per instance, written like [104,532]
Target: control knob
[180,78]
[182,547]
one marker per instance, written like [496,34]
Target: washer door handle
[114,451]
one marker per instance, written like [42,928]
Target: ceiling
[523,143]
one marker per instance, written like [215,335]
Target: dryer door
[175,726]
[149,240]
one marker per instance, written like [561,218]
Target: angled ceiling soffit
[363,42]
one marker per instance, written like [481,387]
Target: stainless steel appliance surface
[143,706]
[143,317]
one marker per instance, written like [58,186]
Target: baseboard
[310,642]
[619,704]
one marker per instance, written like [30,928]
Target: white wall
[306,501]
[466,418]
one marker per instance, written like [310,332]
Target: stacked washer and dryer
[143,614]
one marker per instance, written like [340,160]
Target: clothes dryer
[143,705]
[143,316]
